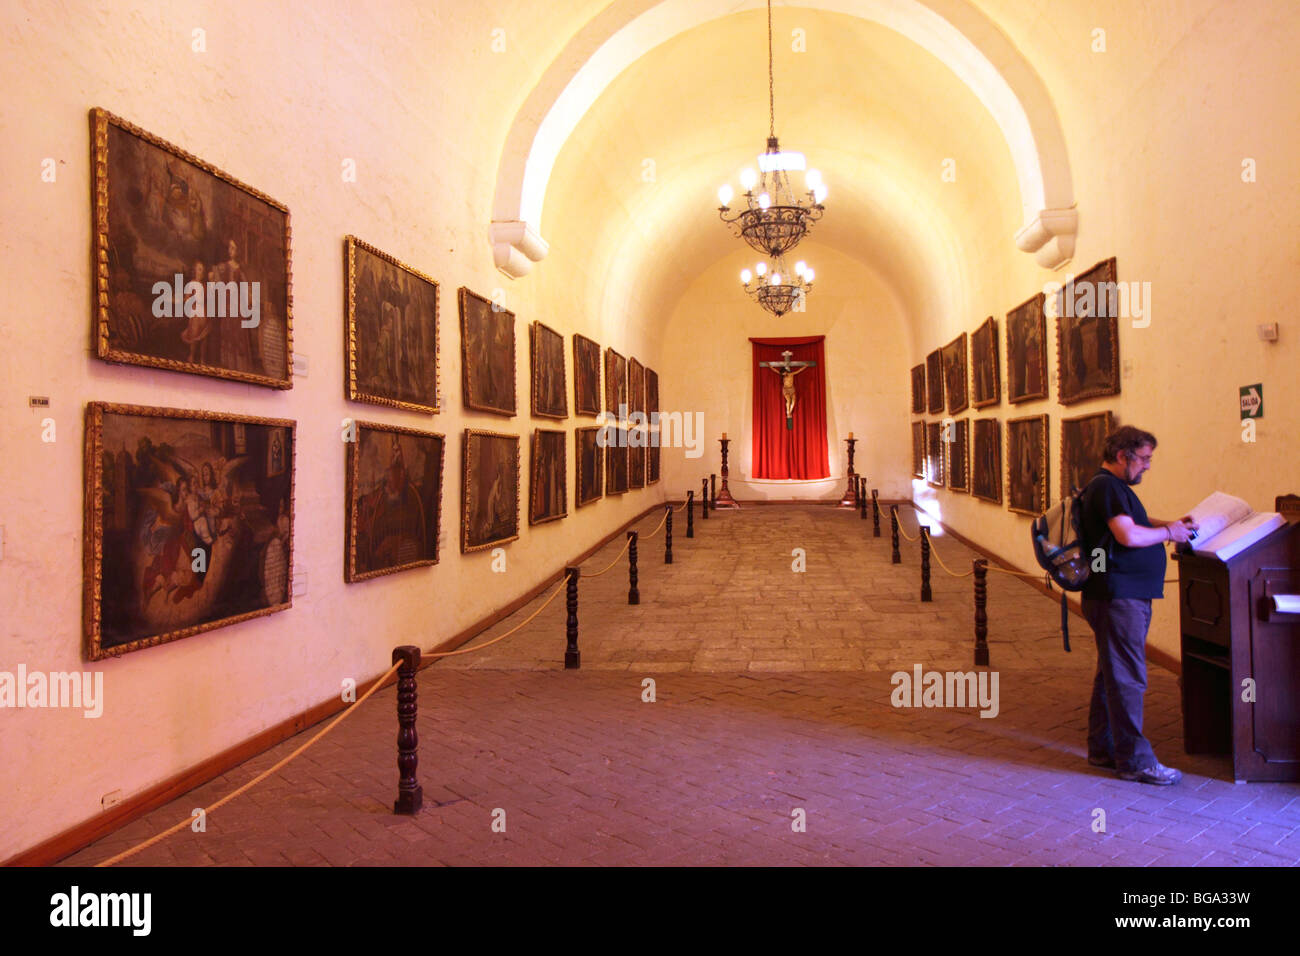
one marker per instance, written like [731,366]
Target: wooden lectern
[1241,656]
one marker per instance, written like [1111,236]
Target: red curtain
[781,452]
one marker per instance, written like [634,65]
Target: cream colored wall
[278,100]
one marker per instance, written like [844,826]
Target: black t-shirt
[1130,572]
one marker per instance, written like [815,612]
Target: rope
[627,544]
[647,537]
[1019,574]
[935,554]
[255,781]
[502,637]
[916,537]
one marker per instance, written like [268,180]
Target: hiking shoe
[1106,763]
[1157,773]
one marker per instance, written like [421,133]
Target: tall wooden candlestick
[723,498]
[850,499]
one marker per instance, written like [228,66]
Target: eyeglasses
[1145,459]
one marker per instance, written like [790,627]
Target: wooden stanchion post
[713,496]
[925,563]
[875,512]
[410,796]
[862,497]
[981,613]
[704,498]
[572,658]
[668,537]
[633,595]
[895,558]
[690,513]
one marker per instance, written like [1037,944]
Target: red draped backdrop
[799,452]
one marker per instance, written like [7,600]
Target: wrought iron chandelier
[778,289]
[775,219]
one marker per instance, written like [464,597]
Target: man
[1117,603]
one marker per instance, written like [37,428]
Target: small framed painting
[487,351]
[918,449]
[616,460]
[590,465]
[547,490]
[1027,351]
[1083,442]
[918,389]
[546,349]
[954,375]
[489,489]
[652,413]
[984,365]
[616,392]
[958,456]
[1027,488]
[586,376]
[1087,335]
[934,381]
[934,454]
[986,461]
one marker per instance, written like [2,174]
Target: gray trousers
[1115,716]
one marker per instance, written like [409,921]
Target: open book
[1229,526]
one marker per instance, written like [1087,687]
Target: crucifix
[787,370]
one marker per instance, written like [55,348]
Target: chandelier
[774,218]
[778,289]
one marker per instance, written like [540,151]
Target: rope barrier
[499,637]
[596,574]
[916,537]
[255,781]
[934,552]
[647,537]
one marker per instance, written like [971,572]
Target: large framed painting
[1027,489]
[548,491]
[985,374]
[487,351]
[1027,351]
[394,500]
[652,413]
[590,465]
[586,376]
[1083,442]
[616,460]
[615,382]
[918,449]
[954,375]
[958,455]
[986,460]
[489,490]
[934,381]
[918,389]
[546,349]
[192,267]
[392,330]
[635,387]
[1087,336]
[188,523]
[934,454]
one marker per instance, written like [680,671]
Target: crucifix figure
[787,370]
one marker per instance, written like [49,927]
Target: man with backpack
[1117,603]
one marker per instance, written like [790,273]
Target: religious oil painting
[934,453]
[1027,351]
[652,414]
[546,348]
[487,345]
[586,376]
[987,382]
[394,500]
[918,449]
[635,387]
[636,458]
[1027,488]
[489,489]
[615,382]
[616,460]
[1083,442]
[192,267]
[958,452]
[590,465]
[918,389]
[1087,335]
[186,527]
[986,460]
[954,375]
[934,381]
[392,330]
[547,488]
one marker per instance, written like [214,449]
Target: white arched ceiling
[954,31]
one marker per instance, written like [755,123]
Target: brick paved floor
[772,697]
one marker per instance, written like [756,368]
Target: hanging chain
[771,83]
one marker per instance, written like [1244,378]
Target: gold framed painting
[487,351]
[934,381]
[586,376]
[489,489]
[985,370]
[394,500]
[1083,443]
[546,351]
[615,384]
[589,465]
[934,454]
[954,375]
[918,389]
[617,459]
[652,413]
[191,267]
[1027,351]
[958,455]
[188,523]
[392,330]
[1087,335]
[986,461]
[548,492]
[918,449]
[1027,487]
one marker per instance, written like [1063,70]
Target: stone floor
[771,738]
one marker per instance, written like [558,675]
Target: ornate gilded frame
[562,470]
[352,388]
[1031,310]
[467,468]
[957,345]
[1108,426]
[959,450]
[615,375]
[935,455]
[536,333]
[586,350]
[918,389]
[934,382]
[918,449]
[991,431]
[585,495]
[478,403]
[1042,492]
[93,529]
[100,120]
[652,415]
[1102,272]
[984,354]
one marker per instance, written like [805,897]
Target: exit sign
[1252,401]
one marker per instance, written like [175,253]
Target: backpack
[1057,537]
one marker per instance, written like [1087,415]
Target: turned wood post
[668,538]
[981,614]
[410,796]
[633,595]
[723,499]
[875,512]
[704,496]
[896,558]
[862,496]
[713,496]
[572,658]
[925,563]
[690,513]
